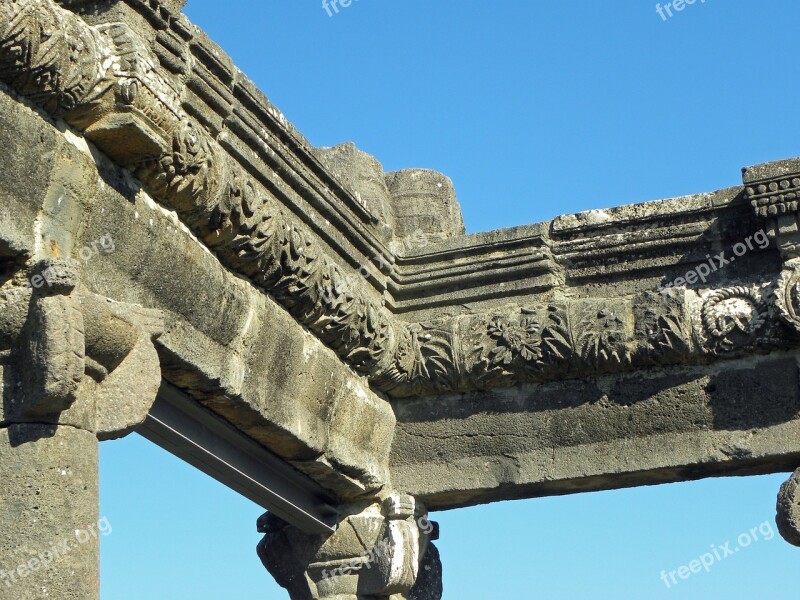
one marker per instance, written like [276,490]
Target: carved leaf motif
[185,173]
[787,295]
[48,54]
[602,340]
[557,340]
[671,339]
[435,361]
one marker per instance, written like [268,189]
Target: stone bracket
[81,359]
[774,193]
[51,348]
[119,339]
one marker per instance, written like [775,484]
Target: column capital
[77,358]
[381,549]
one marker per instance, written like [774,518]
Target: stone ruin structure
[321,336]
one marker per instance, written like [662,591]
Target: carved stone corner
[774,193]
[380,549]
[788,517]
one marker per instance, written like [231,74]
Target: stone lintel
[738,418]
[224,342]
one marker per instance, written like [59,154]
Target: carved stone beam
[381,550]
[774,193]
[117,95]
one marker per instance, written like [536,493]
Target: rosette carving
[505,347]
[733,317]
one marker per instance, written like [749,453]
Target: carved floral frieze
[105,81]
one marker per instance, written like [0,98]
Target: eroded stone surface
[222,341]
[48,506]
[599,434]
[338,315]
[363,175]
[425,201]
[377,552]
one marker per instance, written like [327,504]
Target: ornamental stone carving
[379,550]
[110,84]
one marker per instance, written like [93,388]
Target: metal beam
[191,432]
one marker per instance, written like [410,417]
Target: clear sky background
[534,108]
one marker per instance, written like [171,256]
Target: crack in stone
[8,425]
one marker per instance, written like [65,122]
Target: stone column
[381,550]
[48,509]
[76,369]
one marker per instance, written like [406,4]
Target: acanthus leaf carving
[602,340]
[188,173]
[48,56]
[424,359]
[670,340]
[558,345]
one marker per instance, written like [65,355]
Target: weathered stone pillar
[79,369]
[49,544]
[380,550]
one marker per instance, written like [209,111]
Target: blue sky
[534,109]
